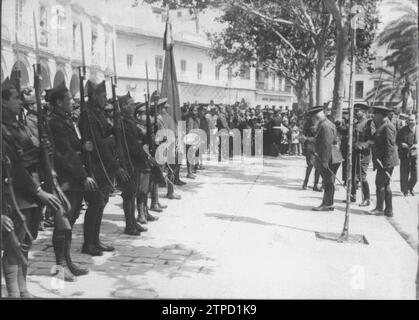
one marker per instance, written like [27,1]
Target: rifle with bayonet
[50,183]
[120,138]
[82,75]
[156,170]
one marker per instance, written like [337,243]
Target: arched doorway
[59,77]
[19,66]
[75,86]
[45,78]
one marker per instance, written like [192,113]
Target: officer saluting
[328,156]
[384,159]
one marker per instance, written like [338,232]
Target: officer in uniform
[328,156]
[105,166]
[384,159]
[309,152]
[71,173]
[407,145]
[20,154]
[361,155]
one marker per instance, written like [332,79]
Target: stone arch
[24,73]
[45,76]
[74,85]
[59,77]
[4,71]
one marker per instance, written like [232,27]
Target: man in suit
[328,156]
[384,159]
[407,145]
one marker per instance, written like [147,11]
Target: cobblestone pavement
[243,231]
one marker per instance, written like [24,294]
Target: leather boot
[21,279]
[155,199]
[378,210]
[10,272]
[129,212]
[148,216]
[388,196]
[58,242]
[141,218]
[161,206]
[74,268]
[99,244]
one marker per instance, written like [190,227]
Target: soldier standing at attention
[95,129]
[384,159]
[407,143]
[328,156]
[72,176]
[20,154]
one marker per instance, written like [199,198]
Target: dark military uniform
[328,160]
[70,174]
[408,159]
[361,158]
[15,271]
[136,160]
[309,152]
[384,160]
[94,127]
[276,134]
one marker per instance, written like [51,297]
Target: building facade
[59,37]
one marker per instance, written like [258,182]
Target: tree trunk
[311,91]
[301,94]
[339,81]
[319,75]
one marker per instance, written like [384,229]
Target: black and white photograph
[207,150]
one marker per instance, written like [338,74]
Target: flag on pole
[169,87]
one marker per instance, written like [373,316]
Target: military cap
[140,107]
[7,84]
[315,109]
[381,109]
[361,106]
[95,88]
[52,94]
[403,116]
[124,99]
[108,107]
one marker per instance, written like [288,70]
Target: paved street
[245,232]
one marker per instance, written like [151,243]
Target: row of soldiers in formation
[379,137]
[86,164]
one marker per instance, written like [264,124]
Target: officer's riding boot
[10,272]
[129,212]
[155,198]
[177,177]
[148,216]
[74,268]
[366,192]
[141,218]
[58,242]
[380,202]
[389,203]
[89,230]
[100,245]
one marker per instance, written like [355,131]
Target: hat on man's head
[140,108]
[155,96]
[381,109]
[315,109]
[124,99]
[361,106]
[51,95]
[93,88]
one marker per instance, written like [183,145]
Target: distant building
[58,24]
